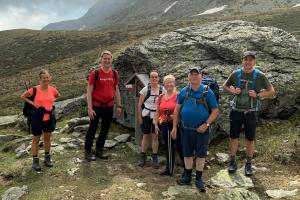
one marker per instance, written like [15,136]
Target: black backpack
[28,107]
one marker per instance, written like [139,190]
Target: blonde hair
[171,78]
[105,52]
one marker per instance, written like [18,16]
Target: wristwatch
[207,124]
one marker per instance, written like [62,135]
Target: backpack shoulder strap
[159,99]
[115,77]
[148,93]
[239,74]
[96,77]
[255,74]
[187,92]
[34,93]
[204,97]
[160,89]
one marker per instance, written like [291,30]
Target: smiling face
[106,60]
[248,63]
[45,78]
[195,78]
[154,78]
[169,85]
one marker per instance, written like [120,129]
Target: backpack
[149,95]
[28,107]
[213,85]
[239,76]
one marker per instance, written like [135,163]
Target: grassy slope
[65,54]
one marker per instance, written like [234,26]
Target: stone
[72,146]
[294,183]
[78,121]
[65,140]
[15,193]
[225,180]
[76,134]
[65,129]
[237,193]
[110,144]
[133,147]
[176,190]
[278,194]
[68,106]
[81,128]
[6,121]
[122,138]
[259,169]
[58,149]
[72,171]
[8,138]
[222,157]
[141,185]
[221,46]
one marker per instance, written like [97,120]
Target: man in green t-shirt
[247,85]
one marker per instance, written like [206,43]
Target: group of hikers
[182,118]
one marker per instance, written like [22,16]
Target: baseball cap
[195,68]
[249,53]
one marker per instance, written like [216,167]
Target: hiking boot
[36,164]
[200,185]
[48,161]
[155,161]
[142,160]
[186,178]
[100,154]
[232,167]
[165,173]
[89,156]
[248,169]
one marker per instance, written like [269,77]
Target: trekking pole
[170,152]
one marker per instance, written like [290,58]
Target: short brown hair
[43,71]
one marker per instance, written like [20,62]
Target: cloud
[35,14]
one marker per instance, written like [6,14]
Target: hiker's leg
[200,164]
[188,162]
[145,142]
[201,150]
[250,129]
[35,145]
[236,123]
[106,119]
[90,135]
[47,142]
[154,143]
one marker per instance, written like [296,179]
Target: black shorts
[39,126]
[240,119]
[194,143]
[147,125]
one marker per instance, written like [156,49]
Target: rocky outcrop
[69,105]
[217,48]
[6,121]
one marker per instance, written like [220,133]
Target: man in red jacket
[102,88]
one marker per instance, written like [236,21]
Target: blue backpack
[239,75]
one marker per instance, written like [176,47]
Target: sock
[34,156]
[188,172]
[47,153]
[198,175]
[154,154]
[232,158]
[248,159]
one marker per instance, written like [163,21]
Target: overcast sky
[35,14]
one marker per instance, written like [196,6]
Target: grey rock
[222,157]
[176,190]
[78,121]
[81,128]
[6,121]
[21,151]
[65,129]
[69,106]
[65,140]
[141,185]
[72,171]
[110,144]
[15,193]
[218,47]
[76,134]
[278,194]
[58,149]
[225,180]
[122,138]
[133,147]
[7,138]
[72,146]
[237,193]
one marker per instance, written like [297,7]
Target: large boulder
[6,121]
[69,105]
[217,48]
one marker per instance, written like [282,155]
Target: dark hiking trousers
[105,114]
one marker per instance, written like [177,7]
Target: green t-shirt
[243,100]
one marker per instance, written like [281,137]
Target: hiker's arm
[25,97]
[155,119]
[231,90]
[266,93]
[141,101]
[212,117]
[91,112]
[118,99]
[176,120]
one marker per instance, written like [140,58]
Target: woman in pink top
[41,116]
[163,122]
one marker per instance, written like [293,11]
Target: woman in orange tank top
[41,116]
